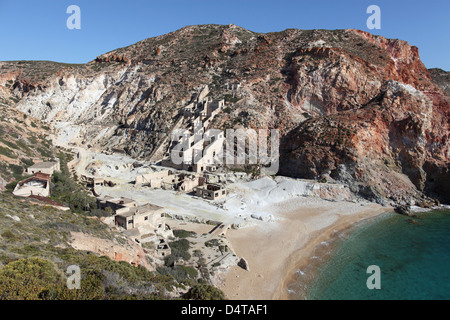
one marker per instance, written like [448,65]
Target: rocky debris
[243,264]
[265,218]
[15,218]
[404,209]
[193,219]
[110,58]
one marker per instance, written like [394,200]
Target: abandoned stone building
[96,182]
[143,223]
[117,205]
[44,167]
[199,153]
[232,86]
[170,180]
[153,179]
[38,184]
[211,191]
[137,216]
[165,179]
[201,147]
[162,248]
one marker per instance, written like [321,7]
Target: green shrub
[180,249]
[212,243]
[204,292]
[8,234]
[182,245]
[27,279]
[10,144]
[16,170]
[68,191]
[45,152]
[27,162]
[11,186]
[183,233]
[8,152]
[227,110]
[179,273]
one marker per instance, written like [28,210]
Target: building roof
[143,209]
[121,200]
[132,232]
[34,178]
[43,165]
[46,200]
[44,176]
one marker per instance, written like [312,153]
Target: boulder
[243,264]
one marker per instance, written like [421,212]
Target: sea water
[412,253]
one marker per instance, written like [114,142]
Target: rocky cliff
[350,106]
[441,78]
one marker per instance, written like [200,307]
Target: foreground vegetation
[35,249]
[35,253]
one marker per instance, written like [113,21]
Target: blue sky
[36,29]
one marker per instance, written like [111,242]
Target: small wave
[419,209]
[290,291]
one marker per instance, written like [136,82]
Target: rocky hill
[23,142]
[350,106]
[441,78]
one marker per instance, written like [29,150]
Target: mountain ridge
[290,80]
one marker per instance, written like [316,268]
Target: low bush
[204,292]
[183,233]
[8,152]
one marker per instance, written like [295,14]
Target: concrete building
[162,248]
[232,86]
[190,182]
[143,223]
[44,167]
[211,191]
[154,179]
[200,149]
[147,217]
[205,154]
[117,205]
[38,185]
[213,107]
[203,93]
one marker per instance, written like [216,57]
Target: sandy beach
[274,251]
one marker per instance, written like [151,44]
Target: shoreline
[310,258]
[274,252]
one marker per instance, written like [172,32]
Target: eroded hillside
[350,106]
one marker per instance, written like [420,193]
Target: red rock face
[380,124]
[373,127]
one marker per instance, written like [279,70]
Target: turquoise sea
[413,255]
